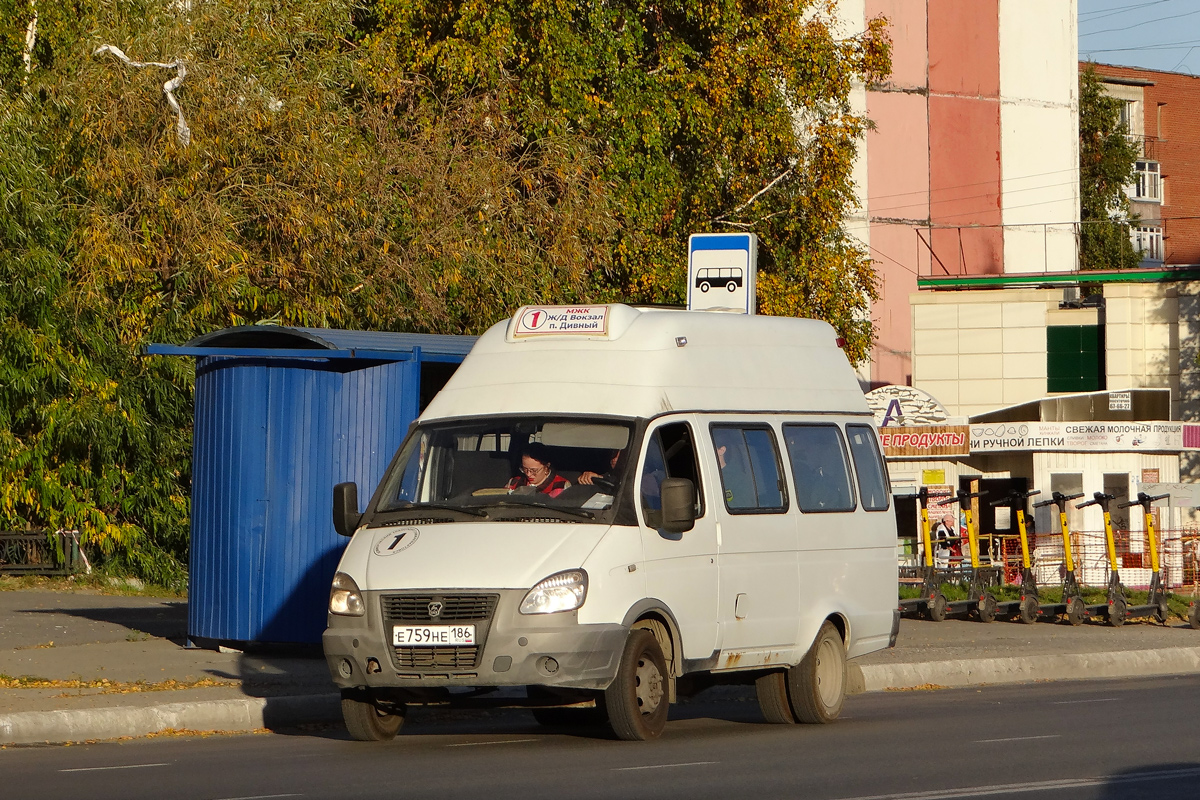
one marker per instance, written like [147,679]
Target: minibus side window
[872,480]
[819,467]
[750,469]
[669,454]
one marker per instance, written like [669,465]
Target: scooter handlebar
[1014,498]
[1058,498]
[1144,498]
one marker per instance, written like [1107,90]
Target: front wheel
[704,287]
[1194,616]
[366,720]
[731,286]
[637,700]
[817,685]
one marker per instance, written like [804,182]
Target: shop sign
[1120,401]
[924,441]
[1112,437]
[933,477]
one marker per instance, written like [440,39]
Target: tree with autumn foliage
[385,164]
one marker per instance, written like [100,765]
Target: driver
[588,477]
[537,473]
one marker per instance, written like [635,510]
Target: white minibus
[612,507]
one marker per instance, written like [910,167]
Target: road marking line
[120,766]
[1040,786]
[664,766]
[477,744]
[260,796]
[1017,739]
[1073,702]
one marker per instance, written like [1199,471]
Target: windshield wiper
[574,512]
[474,512]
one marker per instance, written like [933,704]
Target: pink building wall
[933,160]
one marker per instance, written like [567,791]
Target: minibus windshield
[489,467]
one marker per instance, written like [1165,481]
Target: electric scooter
[1072,603]
[1118,609]
[931,603]
[1156,599]
[979,599]
[1027,607]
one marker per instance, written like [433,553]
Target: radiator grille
[423,658]
[454,607]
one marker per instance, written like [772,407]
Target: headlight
[344,597]
[564,591]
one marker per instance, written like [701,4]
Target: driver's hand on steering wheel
[587,477]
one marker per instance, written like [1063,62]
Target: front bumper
[515,649]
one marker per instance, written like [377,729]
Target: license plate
[436,635]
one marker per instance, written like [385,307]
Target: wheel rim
[648,685]
[829,674]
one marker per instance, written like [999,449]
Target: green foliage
[421,166]
[1106,164]
[706,115]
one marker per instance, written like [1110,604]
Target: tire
[637,699]
[1162,613]
[817,685]
[937,608]
[1194,616]
[365,721]
[1116,612]
[1076,611]
[773,698]
[731,286]
[704,287]
[986,608]
[1029,610]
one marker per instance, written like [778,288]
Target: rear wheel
[773,699]
[1116,612]
[1194,616]
[1076,611]
[937,608]
[368,721]
[987,608]
[637,700]
[1029,610]
[817,685]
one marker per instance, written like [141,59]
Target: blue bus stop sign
[721,271]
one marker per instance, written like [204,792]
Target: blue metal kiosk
[281,415]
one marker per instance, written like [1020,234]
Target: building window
[1127,114]
[1147,183]
[1148,242]
[1075,358]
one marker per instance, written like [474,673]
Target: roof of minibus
[652,361]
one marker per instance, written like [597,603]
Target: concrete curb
[1025,669]
[254,713]
[241,714]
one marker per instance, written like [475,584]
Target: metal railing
[39,552]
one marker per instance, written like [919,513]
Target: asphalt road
[1103,740]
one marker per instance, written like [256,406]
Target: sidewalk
[116,666]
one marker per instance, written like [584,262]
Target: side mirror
[345,508]
[678,505]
